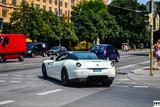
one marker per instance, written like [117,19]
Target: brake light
[78,64]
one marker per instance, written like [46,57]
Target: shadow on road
[75,84]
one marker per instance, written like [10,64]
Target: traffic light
[148,19]
[156,22]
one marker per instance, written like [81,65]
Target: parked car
[106,51]
[12,46]
[36,48]
[56,50]
[79,66]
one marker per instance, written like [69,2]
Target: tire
[44,72]
[108,81]
[21,58]
[32,55]
[64,77]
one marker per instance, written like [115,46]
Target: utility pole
[151,48]
[59,18]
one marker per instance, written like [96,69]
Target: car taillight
[78,64]
[112,64]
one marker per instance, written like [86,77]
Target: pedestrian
[157,55]
[157,63]
[156,48]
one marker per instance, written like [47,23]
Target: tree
[132,23]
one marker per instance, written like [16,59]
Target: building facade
[57,6]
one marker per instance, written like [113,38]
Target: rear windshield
[1,38]
[86,56]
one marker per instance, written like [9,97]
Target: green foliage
[132,23]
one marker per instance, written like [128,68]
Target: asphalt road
[22,85]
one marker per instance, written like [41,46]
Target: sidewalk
[143,76]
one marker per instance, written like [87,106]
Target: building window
[44,1]
[72,2]
[3,1]
[4,13]
[60,12]
[37,5]
[66,4]
[50,1]
[61,3]
[23,1]
[44,7]
[50,9]
[65,12]
[55,2]
[14,2]
[56,11]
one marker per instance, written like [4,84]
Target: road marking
[6,102]
[17,75]
[2,81]
[49,92]
[122,86]
[4,75]
[123,79]
[15,81]
[131,65]
[140,86]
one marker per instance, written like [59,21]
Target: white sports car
[81,66]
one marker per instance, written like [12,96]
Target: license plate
[97,70]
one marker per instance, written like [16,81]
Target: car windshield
[55,48]
[86,55]
[1,38]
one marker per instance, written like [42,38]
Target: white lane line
[17,75]
[141,86]
[49,92]
[131,65]
[4,75]
[2,81]
[15,81]
[6,102]
[122,86]
[123,79]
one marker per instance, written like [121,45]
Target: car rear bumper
[85,73]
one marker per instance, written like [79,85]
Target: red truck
[12,46]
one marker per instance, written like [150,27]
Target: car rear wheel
[44,72]
[108,81]
[64,77]
[21,58]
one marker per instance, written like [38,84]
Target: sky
[145,1]
[142,1]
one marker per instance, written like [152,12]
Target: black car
[105,51]
[56,50]
[36,48]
